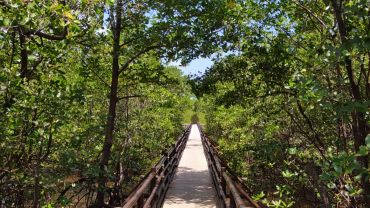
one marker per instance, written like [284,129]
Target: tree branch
[310,125]
[130,41]
[311,13]
[129,96]
[48,150]
[137,55]
[42,34]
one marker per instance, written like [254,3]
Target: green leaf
[363,151]
[367,140]
[338,169]
[259,196]
[68,14]
[292,150]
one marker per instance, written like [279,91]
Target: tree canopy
[88,101]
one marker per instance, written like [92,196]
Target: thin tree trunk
[24,54]
[313,171]
[36,186]
[359,123]
[113,99]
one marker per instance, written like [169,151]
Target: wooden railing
[230,190]
[151,190]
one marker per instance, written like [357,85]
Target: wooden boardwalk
[192,185]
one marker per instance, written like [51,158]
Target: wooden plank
[192,185]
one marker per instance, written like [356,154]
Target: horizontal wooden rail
[230,190]
[152,188]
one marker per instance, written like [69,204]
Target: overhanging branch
[129,96]
[42,34]
[137,55]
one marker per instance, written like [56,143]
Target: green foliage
[283,110]
[54,105]
[194,119]
[288,106]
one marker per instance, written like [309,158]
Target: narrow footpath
[192,185]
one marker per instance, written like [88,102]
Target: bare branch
[129,96]
[311,13]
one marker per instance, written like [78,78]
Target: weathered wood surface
[192,185]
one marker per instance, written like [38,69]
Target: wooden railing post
[150,191]
[140,202]
[152,183]
[222,180]
[223,186]
[166,159]
[227,188]
[174,150]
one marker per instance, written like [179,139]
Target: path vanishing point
[192,185]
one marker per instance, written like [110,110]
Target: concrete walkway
[192,185]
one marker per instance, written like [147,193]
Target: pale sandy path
[192,185]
